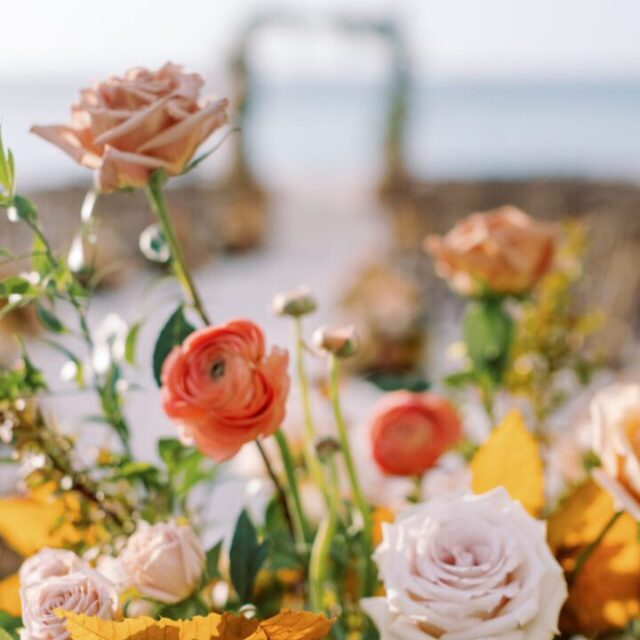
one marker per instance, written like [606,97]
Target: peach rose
[223,389]
[502,250]
[615,429]
[410,431]
[163,562]
[126,127]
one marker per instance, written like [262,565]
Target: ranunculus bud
[326,447]
[83,591]
[297,302]
[342,342]
[410,431]
[163,562]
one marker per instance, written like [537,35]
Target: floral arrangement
[474,548]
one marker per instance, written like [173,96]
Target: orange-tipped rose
[223,389]
[503,251]
[410,431]
[126,127]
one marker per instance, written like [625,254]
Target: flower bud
[343,342]
[297,302]
[326,447]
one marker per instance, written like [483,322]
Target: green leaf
[169,450]
[25,208]
[131,343]
[246,557]
[213,560]
[387,381]
[488,333]
[49,320]
[39,257]
[9,626]
[173,333]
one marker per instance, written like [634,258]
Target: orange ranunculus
[126,127]
[410,431]
[223,389]
[503,250]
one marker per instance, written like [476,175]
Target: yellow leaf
[287,625]
[606,592]
[296,625]
[10,595]
[510,458]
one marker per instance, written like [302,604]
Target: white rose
[163,562]
[83,591]
[467,567]
[47,563]
[615,431]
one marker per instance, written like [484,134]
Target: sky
[448,39]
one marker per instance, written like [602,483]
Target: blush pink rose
[467,567]
[163,562]
[127,127]
[503,250]
[82,591]
[223,389]
[410,431]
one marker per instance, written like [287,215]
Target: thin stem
[313,465]
[358,496]
[282,497]
[321,549]
[158,204]
[114,418]
[301,527]
[588,551]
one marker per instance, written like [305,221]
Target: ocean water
[314,133]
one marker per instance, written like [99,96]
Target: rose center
[217,370]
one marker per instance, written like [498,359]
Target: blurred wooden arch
[386,31]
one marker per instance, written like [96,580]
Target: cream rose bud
[47,563]
[83,591]
[164,562]
[615,432]
[467,567]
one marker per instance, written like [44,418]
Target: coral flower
[410,431]
[223,390]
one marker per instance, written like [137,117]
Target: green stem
[321,548]
[358,496]
[313,465]
[301,527]
[158,204]
[282,497]
[588,551]
[155,196]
